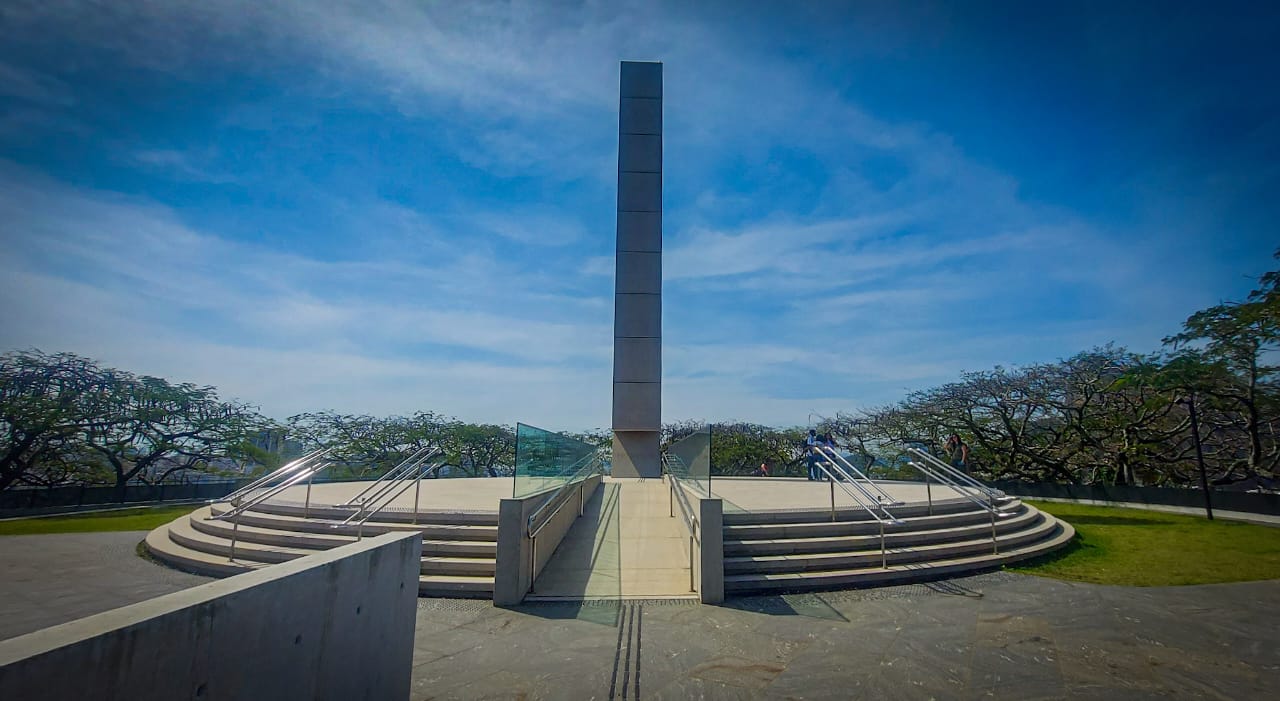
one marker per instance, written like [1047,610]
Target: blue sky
[383,207]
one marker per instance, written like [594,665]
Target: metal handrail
[596,463]
[884,550]
[889,518]
[244,506]
[237,509]
[690,519]
[990,507]
[848,468]
[593,462]
[962,490]
[394,477]
[957,474]
[394,473]
[274,474]
[388,496]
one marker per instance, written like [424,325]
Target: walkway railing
[573,485]
[688,516]
[302,469]
[390,476]
[854,475]
[279,473]
[407,474]
[957,475]
[830,468]
[948,477]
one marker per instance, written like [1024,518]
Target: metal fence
[80,495]
[1249,502]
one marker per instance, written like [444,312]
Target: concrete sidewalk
[998,635]
[58,577]
[625,544]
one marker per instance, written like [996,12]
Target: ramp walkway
[626,545]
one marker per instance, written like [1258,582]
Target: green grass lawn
[1142,548]
[139,519]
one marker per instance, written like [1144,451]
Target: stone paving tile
[997,636]
[54,578]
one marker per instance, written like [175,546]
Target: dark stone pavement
[998,635]
[59,577]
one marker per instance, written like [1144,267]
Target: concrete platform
[463,494]
[766,494]
[625,545]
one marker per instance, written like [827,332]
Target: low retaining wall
[516,567]
[710,550]
[335,625]
[1163,496]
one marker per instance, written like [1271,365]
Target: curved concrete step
[455,586]
[271,520]
[466,566]
[324,541]
[896,574]
[895,536]
[266,536]
[847,513]
[808,562]
[828,528]
[185,534]
[179,557]
[392,517]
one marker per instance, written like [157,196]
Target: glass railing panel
[689,460]
[546,460]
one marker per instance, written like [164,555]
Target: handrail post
[928,490]
[417,490]
[995,545]
[306,506]
[884,558]
[832,483]
[581,505]
[235,530]
[691,587]
[671,499]
[533,561]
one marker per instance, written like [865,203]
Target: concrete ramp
[626,545]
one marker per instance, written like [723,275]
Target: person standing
[957,452]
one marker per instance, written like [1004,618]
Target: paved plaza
[54,578]
[996,635]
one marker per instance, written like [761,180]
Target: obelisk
[637,300]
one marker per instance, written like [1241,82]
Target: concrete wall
[637,315]
[708,549]
[516,568]
[335,625]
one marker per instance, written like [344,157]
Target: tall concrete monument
[637,300]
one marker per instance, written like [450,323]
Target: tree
[147,427]
[480,450]
[1237,338]
[42,413]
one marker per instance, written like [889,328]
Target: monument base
[636,454]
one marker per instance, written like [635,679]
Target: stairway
[458,549]
[807,550]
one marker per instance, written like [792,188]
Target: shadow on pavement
[808,605]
